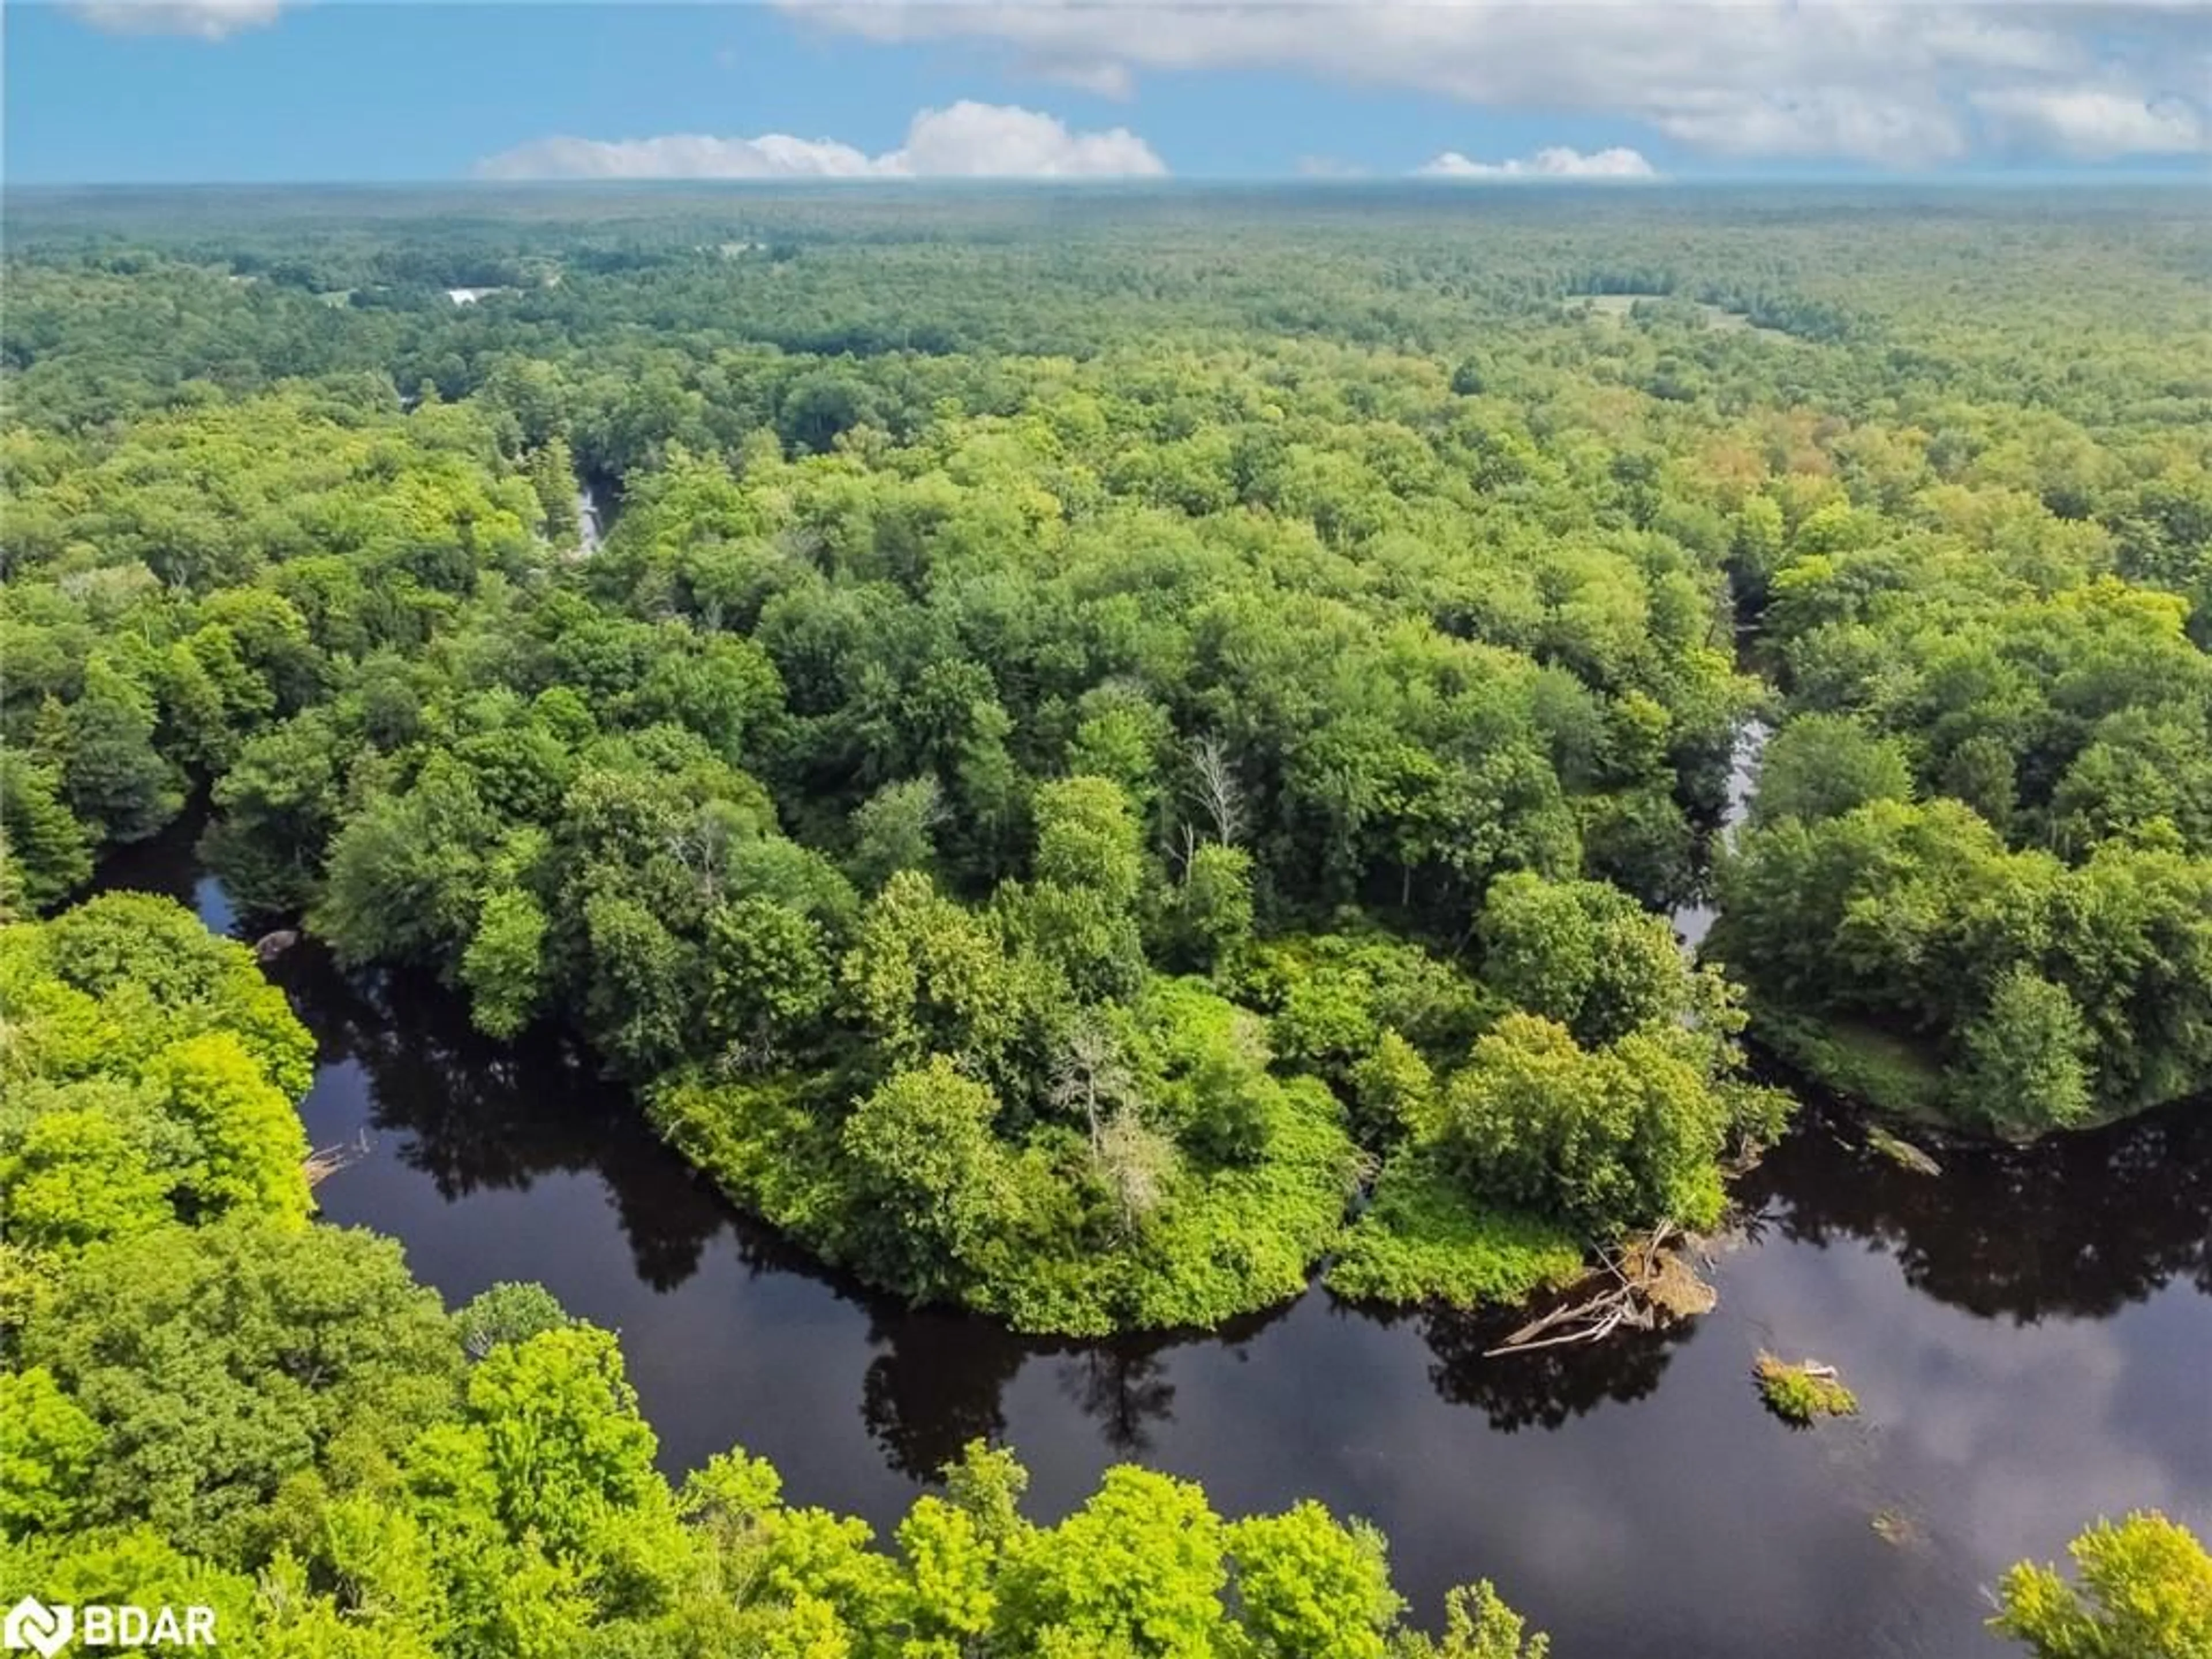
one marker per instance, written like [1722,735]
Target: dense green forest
[1093,742]
[1119,751]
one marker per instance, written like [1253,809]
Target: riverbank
[2028,1336]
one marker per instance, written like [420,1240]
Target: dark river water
[2030,1338]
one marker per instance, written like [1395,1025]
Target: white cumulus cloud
[966,140]
[1554,162]
[1897,82]
[2093,125]
[210,20]
[679,156]
[1002,141]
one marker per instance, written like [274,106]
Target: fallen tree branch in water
[1653,1283]
[1901,1152]
[326,1161]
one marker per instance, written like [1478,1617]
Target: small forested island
[1093,762]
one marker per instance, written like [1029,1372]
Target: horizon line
[2074,178]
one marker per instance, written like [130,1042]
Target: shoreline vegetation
[479,1482]
[211,1401]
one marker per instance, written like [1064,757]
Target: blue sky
[185,90]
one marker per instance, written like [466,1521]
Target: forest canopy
[1092,757]
[1098,766]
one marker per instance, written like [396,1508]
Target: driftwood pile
[1648,1282]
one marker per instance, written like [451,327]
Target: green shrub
[1801,1393]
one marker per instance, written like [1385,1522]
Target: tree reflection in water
[474,1114]
[2078,1225]
[941,1378]
[940,1383]
[1122,1387]
[1540,1387]
[1544,1388]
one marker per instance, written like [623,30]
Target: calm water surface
[2030,1338]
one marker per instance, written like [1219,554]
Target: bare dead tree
[1216,790]
[1188,850]
[1136,1162]
[935,814]
[748,1056]
[1089,1077]
[702,847]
